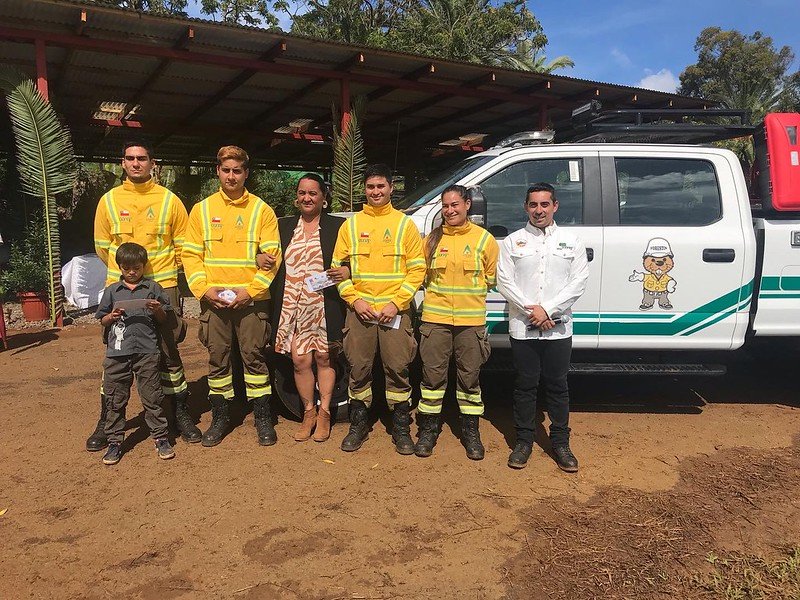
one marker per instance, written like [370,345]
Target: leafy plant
[349,160]
[46,164]
[26,271]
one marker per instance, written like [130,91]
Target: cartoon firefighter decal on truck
[656,283]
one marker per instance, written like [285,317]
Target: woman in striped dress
[308,325]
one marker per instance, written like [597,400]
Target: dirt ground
[681,478]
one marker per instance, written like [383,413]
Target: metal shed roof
[189,86]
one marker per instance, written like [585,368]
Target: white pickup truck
[677,258]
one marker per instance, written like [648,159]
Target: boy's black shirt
[136,332]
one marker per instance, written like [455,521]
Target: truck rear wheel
[283,382]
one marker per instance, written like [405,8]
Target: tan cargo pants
[250,327]
[397,348]
[470,346]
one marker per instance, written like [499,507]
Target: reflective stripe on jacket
[384,249]
[222,240]
[462,269]
[149,215]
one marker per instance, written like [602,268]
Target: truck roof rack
[656,125]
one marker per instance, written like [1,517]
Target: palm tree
[46,164]
[349,160]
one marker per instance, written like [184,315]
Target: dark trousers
[118,372]
[548,360]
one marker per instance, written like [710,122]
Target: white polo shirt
[546,267]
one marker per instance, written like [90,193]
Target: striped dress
[302,317]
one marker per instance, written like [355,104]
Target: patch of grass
[743,577]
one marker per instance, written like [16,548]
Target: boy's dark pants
[118,374]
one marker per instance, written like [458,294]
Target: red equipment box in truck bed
[777,149]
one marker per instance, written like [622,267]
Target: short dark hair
[378,170]
[458,189]
[130,253]
[541,187]
[140,144]
[320,181]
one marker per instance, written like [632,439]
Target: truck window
[667,191]
[505,191]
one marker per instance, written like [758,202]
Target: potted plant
[27,274]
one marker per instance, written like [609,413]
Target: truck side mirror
[477,211]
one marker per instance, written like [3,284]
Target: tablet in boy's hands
[128,305]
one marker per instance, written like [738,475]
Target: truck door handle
[721,255]
[590,254]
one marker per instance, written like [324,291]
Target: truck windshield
[432,188]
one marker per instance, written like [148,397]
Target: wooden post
[542,117]
[41,68]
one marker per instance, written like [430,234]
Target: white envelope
[318,281]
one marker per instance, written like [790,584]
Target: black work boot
[519,457]
[263,420]
[471,437]
[189,431]
[565,459]
[428,434]
[98,440]
[359,427]
[220,421]
[401,428]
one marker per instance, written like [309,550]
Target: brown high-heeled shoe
[323,430]
[309,418]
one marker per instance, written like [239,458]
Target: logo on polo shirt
[521,243]
[216,221]
[467,250]
[387,236]
[239,222]
[150,214]
[364,236]
[124,215]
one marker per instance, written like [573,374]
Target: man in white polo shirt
[542,271]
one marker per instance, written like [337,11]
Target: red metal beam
[479,108]
[292,99]
[41,68]
[414,75]
[115,47]
[225,91]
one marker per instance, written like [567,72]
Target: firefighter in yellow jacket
[462,260]
[387,266]
[148,214]
[225,232]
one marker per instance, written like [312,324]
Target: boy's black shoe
[164,449]
[565,459]
[113,454]
[519,457]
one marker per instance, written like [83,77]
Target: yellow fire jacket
[222,240]
[462,269]
[151,216]
[384,250]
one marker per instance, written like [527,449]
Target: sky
[648,43]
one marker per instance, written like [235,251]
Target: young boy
[133,347]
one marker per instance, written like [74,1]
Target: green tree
[159,7]
[470,30]
[350,21]
[740,71]
[745,72]
[504,33]
[256,13]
